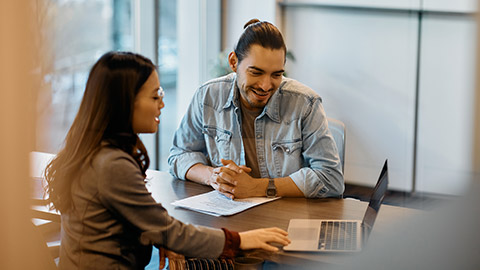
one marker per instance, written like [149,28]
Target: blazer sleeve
[122,190]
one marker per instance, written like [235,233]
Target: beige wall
[476,137]
[19,248]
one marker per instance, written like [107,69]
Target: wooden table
[166,189]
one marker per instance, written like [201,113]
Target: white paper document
[215,204]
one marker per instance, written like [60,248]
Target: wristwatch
[271,189]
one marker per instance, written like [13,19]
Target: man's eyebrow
[256,68]
[261,70]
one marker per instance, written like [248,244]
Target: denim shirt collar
[233,97]
[272,109]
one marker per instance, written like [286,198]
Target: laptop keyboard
[338,235]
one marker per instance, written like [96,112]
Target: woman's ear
[233,61]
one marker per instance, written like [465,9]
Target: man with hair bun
[255,132]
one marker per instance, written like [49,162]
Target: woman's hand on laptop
[261,238]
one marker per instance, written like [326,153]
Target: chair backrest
[48,229]
[337,128]
[47,223]
[37,240]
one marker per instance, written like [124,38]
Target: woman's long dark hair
[105,115]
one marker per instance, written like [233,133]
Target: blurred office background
[398,73]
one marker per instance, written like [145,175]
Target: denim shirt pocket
[218,144]
[287,156]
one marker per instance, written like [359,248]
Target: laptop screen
[376,200]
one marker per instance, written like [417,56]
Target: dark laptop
[338,235]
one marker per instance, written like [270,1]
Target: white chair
[47,223]
[48,226]
[337,128]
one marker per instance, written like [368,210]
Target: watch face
[271,189]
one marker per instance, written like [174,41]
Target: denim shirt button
[287,150]
[259,136]
[216,138]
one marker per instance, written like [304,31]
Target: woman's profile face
[148,103]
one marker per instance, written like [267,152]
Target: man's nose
[266,83]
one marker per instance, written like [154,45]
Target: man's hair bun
[252,21]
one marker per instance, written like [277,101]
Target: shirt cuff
[309,183]
[232,244]
[187,160]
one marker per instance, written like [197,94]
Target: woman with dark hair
[109,219]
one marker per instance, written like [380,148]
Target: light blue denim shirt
[292,136]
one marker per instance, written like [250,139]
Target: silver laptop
[337,235]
